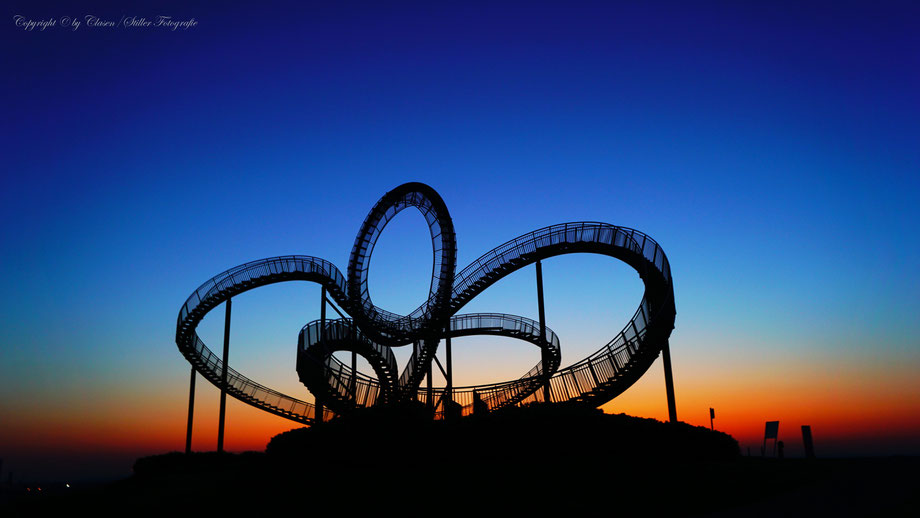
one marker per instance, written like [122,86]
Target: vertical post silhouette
[809,442]
[429,393]
[354,377]
[191,412]
[771,431]
[449,395]
[223,381]
[318,418]
[669,382]
[543,352]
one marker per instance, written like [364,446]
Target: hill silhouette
[557,434]
[545,458]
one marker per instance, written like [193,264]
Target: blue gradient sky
[771,149]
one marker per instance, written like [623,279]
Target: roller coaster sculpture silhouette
[372,332]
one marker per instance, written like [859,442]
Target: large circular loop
[390,328]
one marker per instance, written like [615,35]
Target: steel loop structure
[372,332]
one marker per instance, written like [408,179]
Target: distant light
[68,485]
[28,489]
[39,489]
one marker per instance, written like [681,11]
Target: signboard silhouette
[770,432]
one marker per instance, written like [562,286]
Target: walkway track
[612,369]
[595,380]
[233,282]
[603,375]
[342,389]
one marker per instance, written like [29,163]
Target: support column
[429,393]
[669,382]
[318,418]
[543,351]
[449,398]
[223,381]
[191,412]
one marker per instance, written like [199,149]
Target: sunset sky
[772,150]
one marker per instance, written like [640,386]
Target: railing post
[354,377]
[223,381]
[669,382]
[575,382]
[191,412]
[593,374]
[544,357]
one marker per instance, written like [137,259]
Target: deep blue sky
[771,149]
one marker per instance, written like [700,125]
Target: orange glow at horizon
[868,404]
[844,405]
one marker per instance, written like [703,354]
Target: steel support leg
[429,393]
[223,381]
[318,418]
[543,351]
[669,382]
[191,412]
[449,399]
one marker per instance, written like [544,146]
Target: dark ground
[538,459]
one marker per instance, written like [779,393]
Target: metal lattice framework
[372,332]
